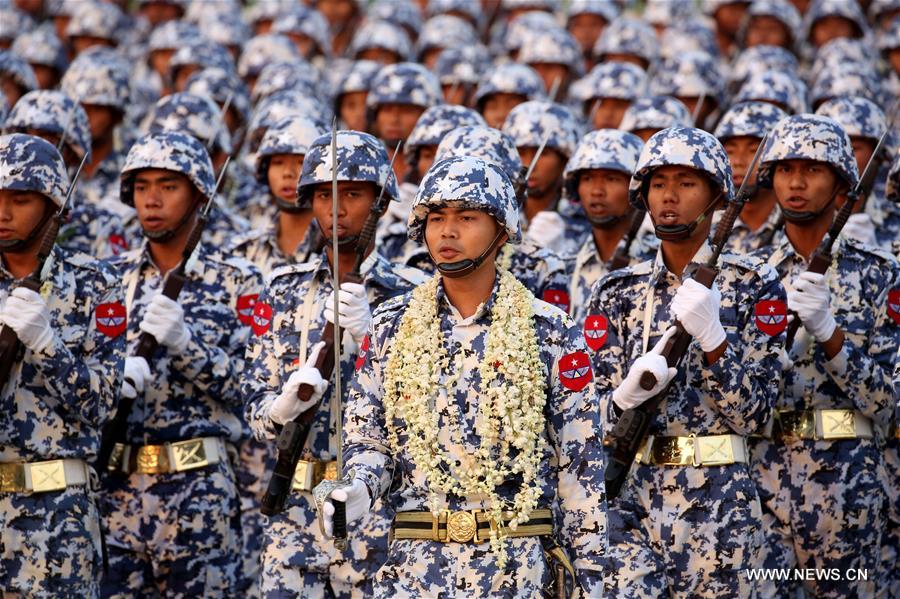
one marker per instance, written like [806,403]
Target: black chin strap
[799,217]
[608,222]
[462,268]
[289,207]
[680,232]
[168,234]
[349,241]
[18,246]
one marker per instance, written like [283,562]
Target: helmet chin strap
[167,234]
[19,246]
[348,241]
[462,268]
[805,216]
[681,232]
[289,207]
[608,222]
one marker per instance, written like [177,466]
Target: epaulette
[547,311]
[633,270]
[410,274]
[242,265]
[245,238]
[870,250]
[747,262]
[290,269]
[86,262]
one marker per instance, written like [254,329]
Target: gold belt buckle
[462,527]
[48,476]
[152,459]
[715,450]
[304,476]
[189,455]
[115,458]
[796,425]
[838,424]
[12,478]
[672,451]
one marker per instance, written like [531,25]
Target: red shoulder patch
[245,305]
[575,371]
[111,319]
[117,244]
[557,297]
[595,327]
[262,318]
[363,352]
[894,305]
[770,316]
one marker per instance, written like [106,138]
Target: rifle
[622,257]
[630,431]
[10,347]
[822,257]
[292,438]
[521,187]
[113,438]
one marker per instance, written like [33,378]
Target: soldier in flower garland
[473,415]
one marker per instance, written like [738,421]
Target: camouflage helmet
[748,119]
[14,66]
[839,52]
[529,123]
[858,117]
[287,102]
[309,22]
[220,85]
[41,46]
[438,121]
[57,114]
[782,10]
[553,46]
[487,143]
[620,80]
[462,65]
[627,35]
[689,36]
[808,137]
[171,151]
[849,79]
[382,35]
[889,38]
[263,49]
[510,78]
[359,77]
[819,9]
[225,29]
[655,112]
[98,76]
[280,76]
[607,9]
[892,191]
[445,31]
[549,6]
[404,83]
[603,149]
[361,157]
[758,59]
[171,35]
[668,12]
[783,89]
[290,135]
[29,163]
[13,22]
[103,20]
[203,54]
[470,11]
[689,75]
[197,116]
[510,39]
[682,146]
[402,13]
[466,182]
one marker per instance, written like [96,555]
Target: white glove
[861,228]
[27,314]
[357,499]
[287,405]
[164,320]
[354,310]
[138,372]
[697,308]
[547,229]
[630,394]
[811,300]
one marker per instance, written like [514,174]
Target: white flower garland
[511,410]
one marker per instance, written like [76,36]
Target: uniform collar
[373,264]
[660,270]
[195,264]
[483,310]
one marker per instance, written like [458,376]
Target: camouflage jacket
[260,247]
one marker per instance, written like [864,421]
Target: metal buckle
[838,424]
[797,425]
[303,476]
[48,476]
[462,527]
[189,455]
[12,478]
[715,450]
[152,459]
[115,458]
[672,451]
[436,526]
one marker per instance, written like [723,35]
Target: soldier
[59,393]
[694,460]
[556,57]
[820,474]
[607,92]
[692,77]
[741,130]
[350,97]
[586,20]
[771,23]
[459,70]
[16,77]
[597,176]
[170,498]
[460,350]
[45,53]
[505,87]
[628,39]
[381,42]
[441,32]
[646,116]
[289,319]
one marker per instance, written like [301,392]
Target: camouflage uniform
[825,498]
[569,476]
[55,403]
[688,530]
[606,149]
[178,532]
[288,320]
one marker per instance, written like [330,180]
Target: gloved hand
[547,229]
[287,405]
[138,372]
[27,314]
[861,228]
[164,320]
[354,310]
[811,300]
[697,308]
[356,497]
[629,393]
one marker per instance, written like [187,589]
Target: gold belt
[710,450]
[166,458]
[825,425]
[310,473]
[466,526]
[42,477]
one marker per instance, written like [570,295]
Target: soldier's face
[20,213]
[396,121]
[609,112]
[768,31]
[284,173]
[830,28]
[102,119]
[547,172]
[162,198]
[355,200]
[863,148]
[353,110]
[498,106]
[83,42]
[645,134]
[458,93]
[894,59]
[728,17]
[603,192]
[629,58]
[159,60]
[382,55]
[10,89]
[586,29]
[159,12]
[426,159]
[182,74]
[804,185]
[336,12]
[740,153]
[553,75]
[677,195]
[430,57]
[454,234]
